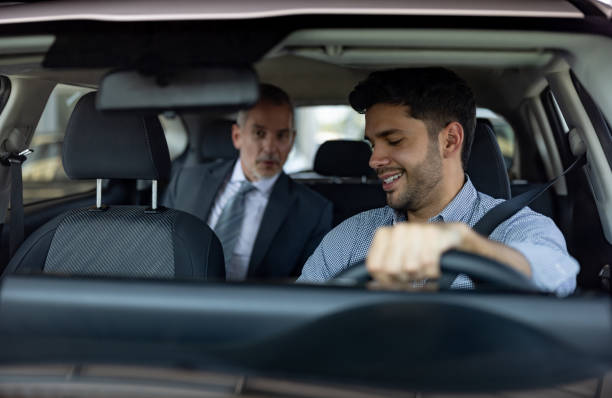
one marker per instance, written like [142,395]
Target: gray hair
[268,93]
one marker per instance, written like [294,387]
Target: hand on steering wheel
[408,252]
[479,269]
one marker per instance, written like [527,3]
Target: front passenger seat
[486,166]
[126,241]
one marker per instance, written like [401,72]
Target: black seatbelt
[503,211]
[14,162]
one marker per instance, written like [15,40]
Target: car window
[43,172]
[317,124]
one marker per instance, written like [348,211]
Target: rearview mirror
[226,89]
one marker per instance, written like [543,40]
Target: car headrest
[110,145]
[216,141]
[486,166]
[343,158]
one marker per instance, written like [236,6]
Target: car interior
[92,195]
[529,74]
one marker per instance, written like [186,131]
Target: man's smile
[390,179]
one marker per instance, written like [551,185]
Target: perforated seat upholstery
[127,241]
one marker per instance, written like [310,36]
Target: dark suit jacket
[294,222]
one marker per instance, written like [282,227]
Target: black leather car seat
[209,140]
[343,176]
[216,141]
[127,241]
[486,166]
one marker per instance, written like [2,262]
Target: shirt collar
[459,209]
[263,185]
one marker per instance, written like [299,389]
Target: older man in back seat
[267,223]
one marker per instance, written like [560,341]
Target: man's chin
[394,202]
[267,172]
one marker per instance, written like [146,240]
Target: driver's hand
[411,251]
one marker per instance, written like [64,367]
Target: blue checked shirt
[532,234]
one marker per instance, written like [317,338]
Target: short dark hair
[268,93]
[437,96]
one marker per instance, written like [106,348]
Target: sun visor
[205,88]
[162,45]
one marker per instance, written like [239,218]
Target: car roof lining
[512,61]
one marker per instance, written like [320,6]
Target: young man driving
[420,123]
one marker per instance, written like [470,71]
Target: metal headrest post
[154,195]
[99,193]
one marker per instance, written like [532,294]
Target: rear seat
[209,140]
[342,175]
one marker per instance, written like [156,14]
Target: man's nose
[269,143]
[378,159]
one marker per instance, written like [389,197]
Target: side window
[317,124]
[43,172]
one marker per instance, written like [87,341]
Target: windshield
[307,205]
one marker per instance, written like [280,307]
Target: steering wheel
[481,270]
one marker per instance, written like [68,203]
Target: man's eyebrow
[259,126]
[383,134]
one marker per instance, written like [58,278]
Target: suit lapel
[276,211]
[210,183]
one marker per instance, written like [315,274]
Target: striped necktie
[230,221]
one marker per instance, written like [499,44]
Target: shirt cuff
[552,270]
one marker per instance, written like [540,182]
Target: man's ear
[236,136]
[452,140]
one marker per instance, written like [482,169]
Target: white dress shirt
[255,205]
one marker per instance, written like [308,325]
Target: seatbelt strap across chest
[503,211]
